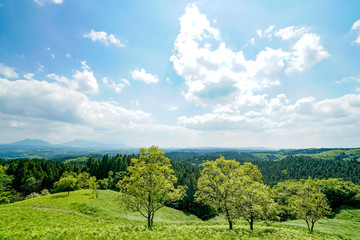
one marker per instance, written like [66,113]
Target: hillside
[81,216]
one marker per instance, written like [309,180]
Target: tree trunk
[307,222]
[230,224]
[68,193]
[152,220]
[149,221]
[229,219]
[312,227]
[252,224]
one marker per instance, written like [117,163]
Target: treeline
[291,167]
[22,177]
[304,167]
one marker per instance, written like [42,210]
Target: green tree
[5,186]
[66,183]
[255,202]
[150,183]
[309,204]
[218,186]
[83,180]
[93,184]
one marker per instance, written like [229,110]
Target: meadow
[82,216]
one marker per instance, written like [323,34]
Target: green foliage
[66,183]
[32,195]
[339,192]
[309,204]
[45,192]
[218,186]
[5,186]
[83,179]
[150,183]
[256,203]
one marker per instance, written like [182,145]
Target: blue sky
[280,74]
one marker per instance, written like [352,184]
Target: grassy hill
[82,216]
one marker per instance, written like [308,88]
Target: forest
[338,180]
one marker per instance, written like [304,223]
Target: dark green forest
[338,179]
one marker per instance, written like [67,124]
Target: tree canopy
[150,183]
[309,204]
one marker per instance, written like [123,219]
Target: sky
[276,74]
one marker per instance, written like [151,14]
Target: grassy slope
[81,216]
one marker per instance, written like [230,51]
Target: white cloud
[307,52]
[233,87]
[356,26]
[53,102]
[68,55]
[42,2]
[117,87]
[103,37]
[291,32]
[52,55]
[61,79]
[349,79]
[142,75]
[173,108]
[16,124]
[220,76]
[8,72]
[135,102]
[278,114]
[83,81]
[41,68]
[252,41]
[267,33]
[29,76]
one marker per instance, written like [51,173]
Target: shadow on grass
[341,208]
[60,196]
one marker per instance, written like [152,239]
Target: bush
[45,192]
[33,195]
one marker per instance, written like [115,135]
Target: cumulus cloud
[42,2]
[68,55]
[51,101]
[117,87]
[307,52]
[232,86]
[356,26]
[83,81]
[278,113]
[142,75]
[105,38]
[7,71]
[216,75]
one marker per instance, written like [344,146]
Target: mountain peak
[31,142]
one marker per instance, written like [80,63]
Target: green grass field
[82,216]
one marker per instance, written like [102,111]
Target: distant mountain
[28,143]
[81,143]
